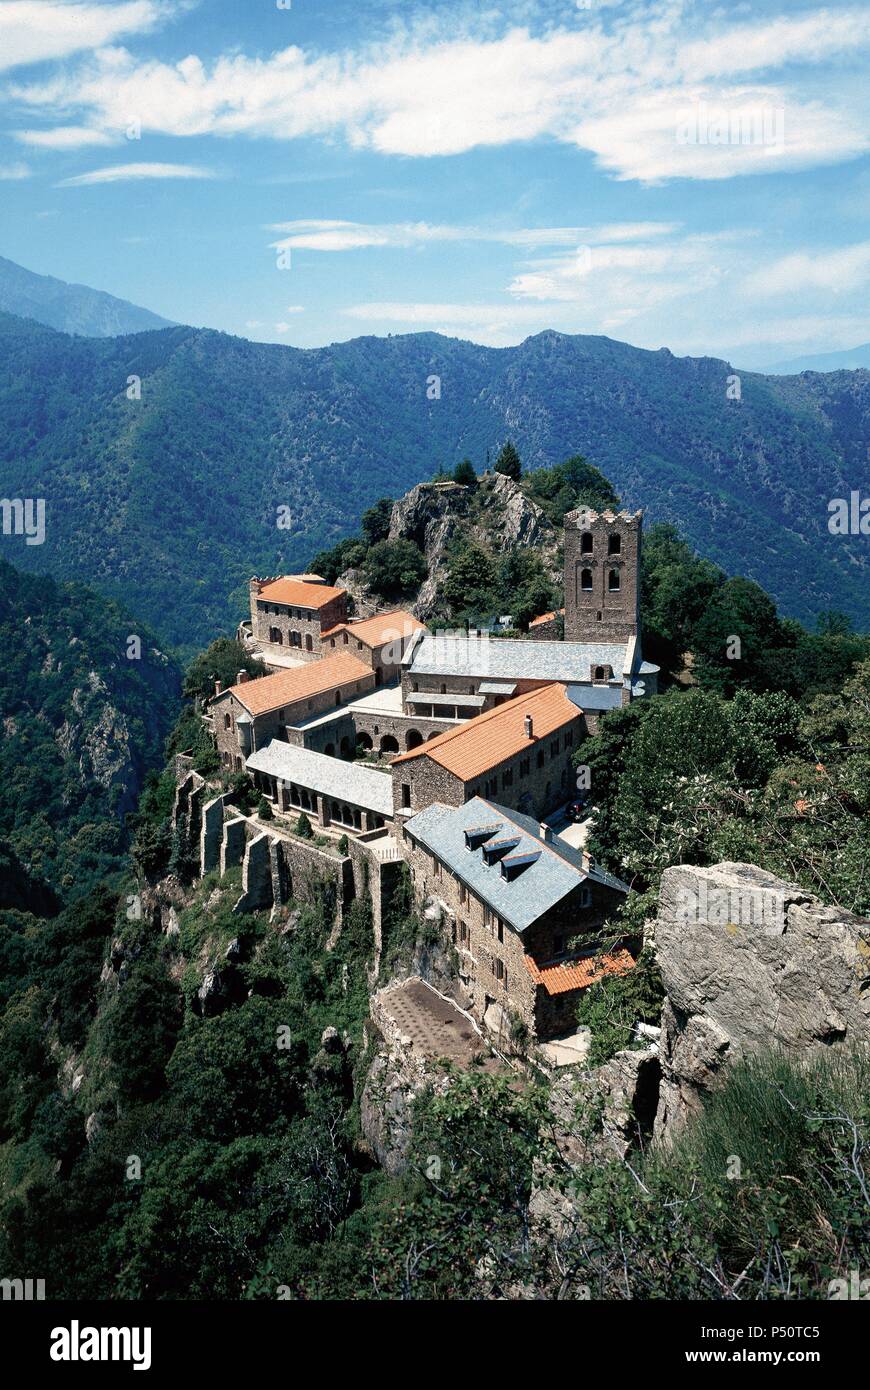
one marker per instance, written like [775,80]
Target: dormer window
[614,543]
[586,543]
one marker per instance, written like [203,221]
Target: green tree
[221,661]
[375,523]
[394,569]
[464,473]
[508,462]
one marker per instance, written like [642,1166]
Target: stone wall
[232,743]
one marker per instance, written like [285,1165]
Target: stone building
[251,713]
[351,796]
[289,616]
[519,752]
[515,897]
[464,674]
[381,641]
[602,576]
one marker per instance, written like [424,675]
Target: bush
[303,827]
[264,809]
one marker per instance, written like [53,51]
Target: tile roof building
[349,795]
[519,751]
[515,896]
[251,713]
[289,615]
[381,641]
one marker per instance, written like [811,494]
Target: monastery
[452,753]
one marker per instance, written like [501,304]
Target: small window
[540,758]
[614,543]
[228,723]
[585,896]
[507,777]
[586,543]
[586,581]
[462,893]
[500,930]
[406,795]
[554,748]
[599,673]
[613,581]
[443,689]
[524,767]
[344,638]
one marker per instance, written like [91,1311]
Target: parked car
[577,810]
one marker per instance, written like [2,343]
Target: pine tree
[509,463]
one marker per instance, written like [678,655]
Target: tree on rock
[509,463]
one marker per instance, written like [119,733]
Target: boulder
[751,963]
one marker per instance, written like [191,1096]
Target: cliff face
[751,963]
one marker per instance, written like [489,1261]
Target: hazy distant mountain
[849,358]
[70,308]
[170,501]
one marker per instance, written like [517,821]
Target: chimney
[242,677]
[529,726]
[546,833]
[218,687]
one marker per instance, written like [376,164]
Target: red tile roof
[546,617]
[383,627]
[298,594]
[489,739]
[563,976]
[298,683]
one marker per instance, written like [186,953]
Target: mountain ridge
[170,500]
[69,307]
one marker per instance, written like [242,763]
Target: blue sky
[669,173]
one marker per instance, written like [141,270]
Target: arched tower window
[586,543]
[614,543]
[586,580]
[613,580]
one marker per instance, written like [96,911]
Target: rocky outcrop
[496,515]
[750,963]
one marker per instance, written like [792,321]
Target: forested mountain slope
[81,722]
[164,458]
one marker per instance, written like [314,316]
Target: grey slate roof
[340,781]
[555,873]
[506,658]
[429,697]
[596,696]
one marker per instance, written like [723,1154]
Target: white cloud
[616,82]
[120,173]
[67,137]
[14,171]
[33,31]
[833,272]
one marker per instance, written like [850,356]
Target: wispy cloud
[325,235]
[14,171]
[67,137]
[837,271]
[121,173]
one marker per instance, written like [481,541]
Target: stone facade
[602,575]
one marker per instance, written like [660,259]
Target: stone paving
[435,1026]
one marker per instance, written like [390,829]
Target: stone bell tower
[602,576]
